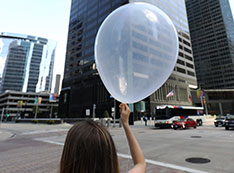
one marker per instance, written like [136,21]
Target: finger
[124,106]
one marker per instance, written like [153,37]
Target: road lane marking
[153,162]
[43,131]
[168,165]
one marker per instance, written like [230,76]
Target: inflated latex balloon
[135,51]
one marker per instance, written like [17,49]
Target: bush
[105,114]
[35,121]
[50,122]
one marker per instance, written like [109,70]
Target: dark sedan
[229,122]
[219,121]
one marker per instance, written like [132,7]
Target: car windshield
[220,117]
[230,116]
[181,120]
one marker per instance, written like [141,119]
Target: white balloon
[136,50]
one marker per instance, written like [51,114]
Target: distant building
[82,87]
[23,104]
[57,84]
[26,63]
[212,34]
[217,101]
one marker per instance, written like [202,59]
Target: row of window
[181,70]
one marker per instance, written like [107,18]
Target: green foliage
[35,121]
[50,122]
[106,114]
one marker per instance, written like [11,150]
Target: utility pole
[51,110]
[114,112]
[2,114]
[201,96]
[36,100]
[94,107]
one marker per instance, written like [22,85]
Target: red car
[184,123]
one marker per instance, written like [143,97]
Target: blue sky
[44,18]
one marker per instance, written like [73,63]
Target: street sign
[52,97]
[87,112]
[39,100]
[35,100]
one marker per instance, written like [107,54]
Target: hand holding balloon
[124,112]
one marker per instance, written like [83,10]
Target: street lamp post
[51,110]
[114,112]
[201,97]
[94,107]
[2,114]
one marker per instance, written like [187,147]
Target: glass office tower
[26,63]
[183,78]
[212,33]
[82,88]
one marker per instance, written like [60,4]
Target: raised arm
[136,152]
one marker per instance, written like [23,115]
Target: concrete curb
[5,135]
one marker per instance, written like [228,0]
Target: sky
[43,18]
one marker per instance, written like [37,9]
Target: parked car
[184,123]
[220,121]
[229,122]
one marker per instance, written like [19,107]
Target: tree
[106,114]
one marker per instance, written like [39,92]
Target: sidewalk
[4,135]
[209,120]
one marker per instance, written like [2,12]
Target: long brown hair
[89,148]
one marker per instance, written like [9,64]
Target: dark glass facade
[212,34]
[82,87]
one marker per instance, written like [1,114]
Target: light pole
[51,110]
[36,100]
[201,97]
[2,114]
[94,107]
[114,112]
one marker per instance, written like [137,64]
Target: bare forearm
[136,152]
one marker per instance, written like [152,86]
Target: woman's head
[89,148]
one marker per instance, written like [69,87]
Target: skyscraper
[57,84]
[212,34]
[183,77]
[82,87]
[26,63]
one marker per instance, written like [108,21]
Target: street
[38,147]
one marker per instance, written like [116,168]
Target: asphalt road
[38,147]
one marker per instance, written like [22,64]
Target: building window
[180,70]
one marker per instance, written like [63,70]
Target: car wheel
[174,128]
[186,126]
[227,128]
[195,127]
